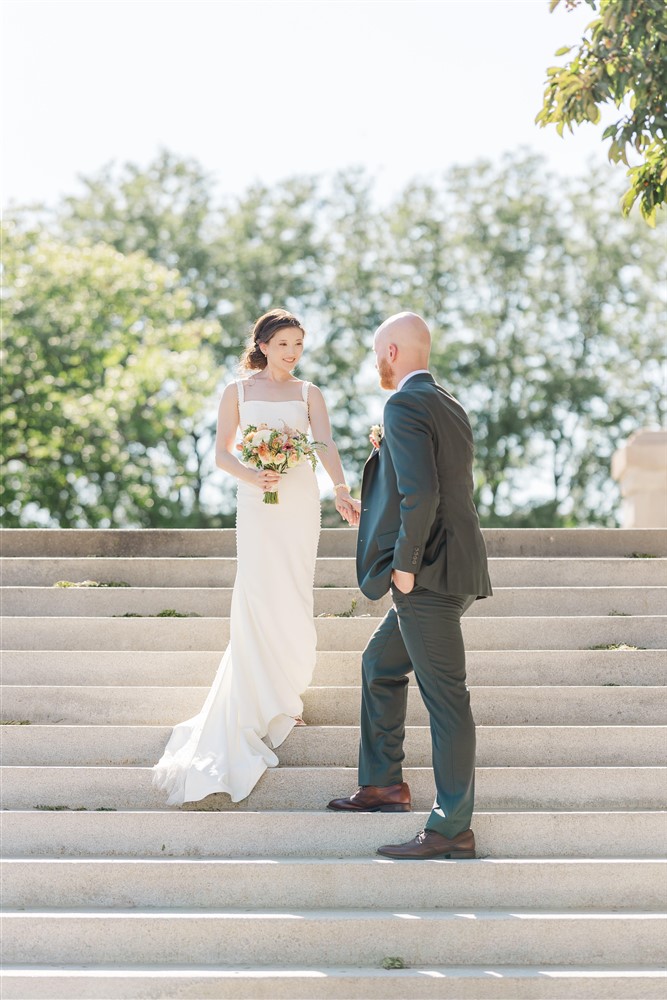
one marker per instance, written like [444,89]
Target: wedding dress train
[270,658]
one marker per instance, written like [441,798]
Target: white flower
[260,436]
[376,435]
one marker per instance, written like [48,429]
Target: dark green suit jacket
[417,504]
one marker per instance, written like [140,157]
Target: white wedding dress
[270,658]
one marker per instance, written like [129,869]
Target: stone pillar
[640,467]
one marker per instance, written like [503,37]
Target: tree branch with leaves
[620,61]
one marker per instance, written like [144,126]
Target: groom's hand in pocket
[405,582]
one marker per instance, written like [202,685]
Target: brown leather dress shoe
[374,798]
[430,844]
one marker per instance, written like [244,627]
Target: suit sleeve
[408,436]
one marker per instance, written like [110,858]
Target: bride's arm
[329,457]
[225,445]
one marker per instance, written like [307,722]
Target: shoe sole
[388,808]
[453,855]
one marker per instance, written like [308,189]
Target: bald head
[402,344]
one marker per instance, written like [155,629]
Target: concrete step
[138,571]
[216,602]
[180,668]
[338,746]
[469,982]
[338,706]
[543,788]
[333,937]
[172,543]
[332,633]
[334,883]
[241,834]
[162,542]
[483,905]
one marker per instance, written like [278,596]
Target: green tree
[622,61]
[352,300]
[547,308]
[546,326]
[164,211]
[237,257]
[106,374]
[269,251]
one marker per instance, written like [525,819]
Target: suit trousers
[421,632]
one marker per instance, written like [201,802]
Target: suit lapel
[369,470]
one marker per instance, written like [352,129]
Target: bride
[270,658]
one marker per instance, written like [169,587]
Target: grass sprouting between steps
[167,613]
[99,809]
[343,614]
[615,645]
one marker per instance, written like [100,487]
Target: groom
[419,535]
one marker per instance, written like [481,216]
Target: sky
[259,90]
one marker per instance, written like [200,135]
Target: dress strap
[239,389]
[304,390]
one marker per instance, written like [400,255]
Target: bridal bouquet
[278,450]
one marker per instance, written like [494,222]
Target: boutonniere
[376,435]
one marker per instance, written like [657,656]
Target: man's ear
[393,351]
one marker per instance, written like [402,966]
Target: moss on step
[91,583]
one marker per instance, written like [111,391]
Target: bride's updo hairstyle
[264,330]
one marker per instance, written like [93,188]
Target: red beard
[386,372]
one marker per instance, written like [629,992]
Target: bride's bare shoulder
[233,391]
[312,388]
[243,381]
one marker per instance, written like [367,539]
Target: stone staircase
[106,893]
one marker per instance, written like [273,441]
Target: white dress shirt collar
[417,371]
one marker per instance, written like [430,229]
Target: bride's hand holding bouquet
[273,452]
